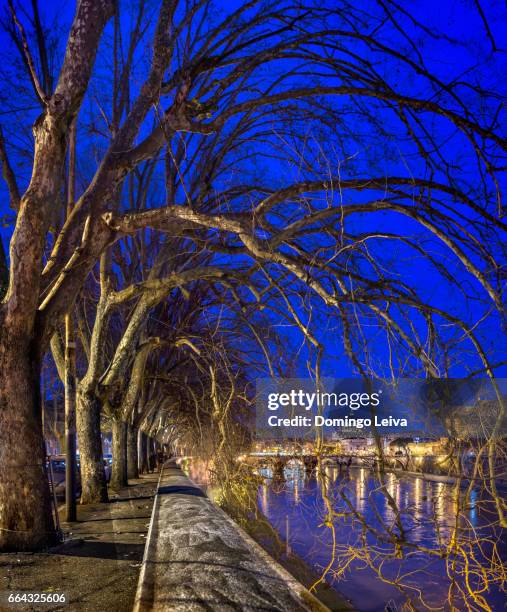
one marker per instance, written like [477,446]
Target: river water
[362,565]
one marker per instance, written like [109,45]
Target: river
[362,564]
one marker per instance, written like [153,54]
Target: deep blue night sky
[461,50]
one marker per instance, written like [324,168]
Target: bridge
[278,462]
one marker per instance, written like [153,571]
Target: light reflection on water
[427,510]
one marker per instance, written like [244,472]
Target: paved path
[98,565]
[198,559]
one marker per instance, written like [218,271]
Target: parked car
[58,470]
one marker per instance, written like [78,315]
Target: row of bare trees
[199,182]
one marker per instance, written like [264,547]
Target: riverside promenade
[97,566]
[196,558]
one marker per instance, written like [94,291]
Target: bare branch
[39,90]
[9,175]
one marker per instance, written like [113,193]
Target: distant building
[358,444]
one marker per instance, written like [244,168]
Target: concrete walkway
[97,567]
[197,559]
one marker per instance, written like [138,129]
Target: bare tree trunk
[26,521]
[61,443]
[144,453]
[60,435]
[70,363]
[93,478]
[141,451]
[152,454]
[70,420]
[119,469]
[132,456]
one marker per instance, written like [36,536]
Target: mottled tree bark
[26,521]
[132,455]
[25,513]
[119,470]
[70,364]
[93,478]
